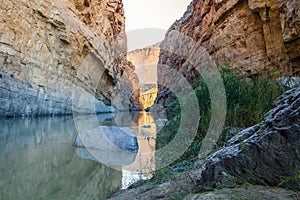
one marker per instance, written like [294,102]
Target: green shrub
[248,100]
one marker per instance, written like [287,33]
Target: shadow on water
[37,160]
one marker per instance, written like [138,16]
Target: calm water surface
[37,160]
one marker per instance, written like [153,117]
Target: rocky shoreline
[266,154]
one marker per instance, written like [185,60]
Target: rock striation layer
[145,61]
[265,154]
[252,34]
[56,56]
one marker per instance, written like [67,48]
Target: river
[38,161]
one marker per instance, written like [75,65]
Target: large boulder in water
[265,154]
[108,138]
[123,137]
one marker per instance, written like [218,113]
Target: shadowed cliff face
[53,53]
[254,35]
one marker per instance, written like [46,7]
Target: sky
[148,20]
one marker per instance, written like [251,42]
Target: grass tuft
[248,101]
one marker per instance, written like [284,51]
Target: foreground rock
[61,56]
[266,154]
[247,192]
[289,82]
[173,190]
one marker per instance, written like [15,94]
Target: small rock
[161,122]
[289,82]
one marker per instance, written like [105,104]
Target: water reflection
[37,160]
[135,166]
[144,165]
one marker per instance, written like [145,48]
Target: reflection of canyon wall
[145,128]
[49,48]
[145,61]
[134,165]
[252,34]
[40,163]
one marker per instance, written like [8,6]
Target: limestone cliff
[59,54]
[252,34]
[145,61]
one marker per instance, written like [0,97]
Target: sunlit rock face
[148,97]
[254,35]
[145,61]
[55,53]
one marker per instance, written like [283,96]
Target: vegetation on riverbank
[248,100]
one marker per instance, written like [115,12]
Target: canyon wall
[145,61]
[252,35]
[62,55]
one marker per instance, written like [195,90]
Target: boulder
[161,122]
[123,137]
[108,138]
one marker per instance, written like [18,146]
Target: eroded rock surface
[145,61]
[55,53]
[252,34]
[246,192]
[265,154]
